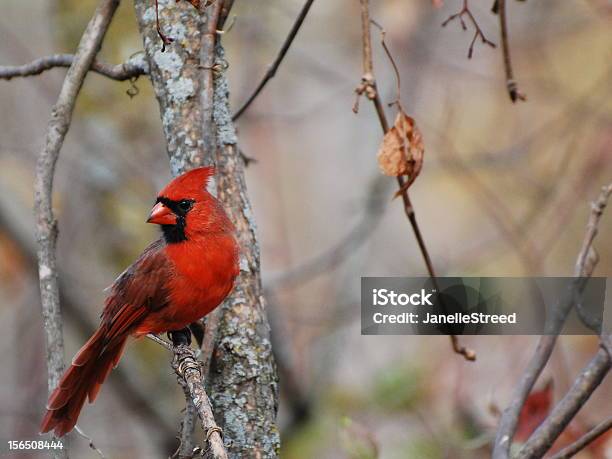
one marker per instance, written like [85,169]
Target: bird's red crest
[192,183]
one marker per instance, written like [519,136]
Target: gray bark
[197,124]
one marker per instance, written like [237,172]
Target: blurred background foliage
[505,191]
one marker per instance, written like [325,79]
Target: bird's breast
[203,275]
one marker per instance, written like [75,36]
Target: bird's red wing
[140,289]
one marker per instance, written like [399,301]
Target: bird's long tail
[83,379]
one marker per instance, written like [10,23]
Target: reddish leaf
[536,408]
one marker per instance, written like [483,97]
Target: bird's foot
[180,337]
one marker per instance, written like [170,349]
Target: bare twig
[161,342]
[583,267]
[279,59]
[466,352]
[509,420]
[368,88]
[189,374]
[187,446]
[511,84]
[585,440]
[164,38]
[186,441]
[133,68]
[546,434]
[46,225]
[465,11]
[398,78]
[89,441]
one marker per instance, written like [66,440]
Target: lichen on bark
[242,384]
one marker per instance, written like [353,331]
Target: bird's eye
[185,205]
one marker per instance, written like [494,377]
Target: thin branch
[161,342]
[133,68]
[509,420]
[511,84]
[46,224]
[89,441]
[279,59]
[368,88]
[584,386]
[597,209]
[585,440]
[465,10]
[189,374]
[164,38]
[398,79]
[187,446]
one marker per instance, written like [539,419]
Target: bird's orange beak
[161,215]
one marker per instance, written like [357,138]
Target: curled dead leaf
[402,150]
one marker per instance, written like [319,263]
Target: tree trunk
[194,105]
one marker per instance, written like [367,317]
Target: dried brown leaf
[402,150]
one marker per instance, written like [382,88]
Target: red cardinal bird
[176,281]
